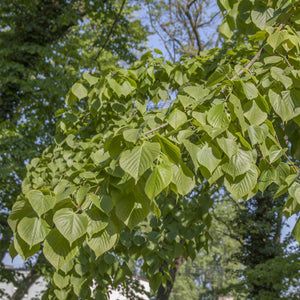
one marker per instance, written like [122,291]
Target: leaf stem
[286,156]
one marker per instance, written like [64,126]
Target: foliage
[217,271]
[271,268]
[115,158]
[246,257]
[45,45]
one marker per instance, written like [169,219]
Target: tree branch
[163,26]
[111,30]
[193,25]
[157,128]
[161,37]
[230,234]
[257,55]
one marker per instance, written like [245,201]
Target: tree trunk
[4,245]
[164,294]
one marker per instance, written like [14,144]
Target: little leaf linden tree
[230,118]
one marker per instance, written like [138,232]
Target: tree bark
[164,294]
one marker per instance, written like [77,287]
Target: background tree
[185,27]
[270,270]
[214,272]
[45,45]
[177,21]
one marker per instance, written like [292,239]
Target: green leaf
[23,248]
[250,90]
[159,179]
[33,230]
[179,78]
[219,74]
[193,151]
[260,16]
[57,249]
[266,178]
[218,173]
[103,241]
[217,116]
[225,30]
[296,231]
[294,190]
[255,115]
[276,39]
[100,156]
[187,101]
[283,106]
[131,135]
[256,134]
[90,79]
[12,251]
[102,201]
[61,294]
[19,210]
[176,118]
[224,5]
[275,153]
[229,146]
[127,88]
[239,163]
[183,178]
[115,86]
[211,131]
[139,159]
[79,91]
[237,108]
[60,281]
[199,117]
[168,148]
[158,51]
[278,75]
[63,190]
[242,185]
[70,224]
[209,158]
[97,221]
[133,208]
[39,202]
[81,195]
[196,91]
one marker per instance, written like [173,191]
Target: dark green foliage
[44,46]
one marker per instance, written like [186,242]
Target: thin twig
[98,187]
[163,26]
[84,117]
[265,157]
[286,156]
[230,234]
[190,3]
[218,40]
[111,30]
[257,55]
[193,25]
[284,57]
[157,128]
[209,21]
[161,37]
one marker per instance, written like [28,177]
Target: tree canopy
[45,46]
[132,143]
